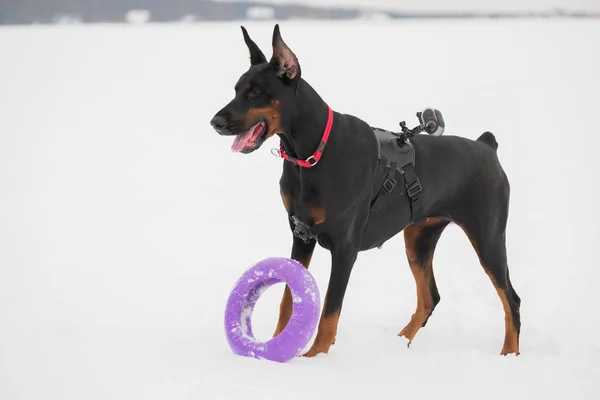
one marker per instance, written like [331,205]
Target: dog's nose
[218,122]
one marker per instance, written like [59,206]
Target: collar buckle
[312,161]
[276,152]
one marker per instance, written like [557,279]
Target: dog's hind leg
[490,245]
[420,241]
[485,224]
[301,252]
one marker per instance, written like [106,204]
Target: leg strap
[389,183]
[413,190]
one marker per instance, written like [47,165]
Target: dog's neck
[308,123]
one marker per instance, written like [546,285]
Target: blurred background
[143,11]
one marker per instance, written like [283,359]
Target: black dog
[334,173]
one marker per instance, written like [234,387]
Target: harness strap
[413,190]
[389,183]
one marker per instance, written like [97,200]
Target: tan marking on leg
[317,214]
[326,333]
[286,305]
[511,339]
[423,274]
[424,302]
[285,311]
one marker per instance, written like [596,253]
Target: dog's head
[264,97]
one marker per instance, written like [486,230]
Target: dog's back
[459,170]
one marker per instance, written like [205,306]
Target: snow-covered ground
[125,219]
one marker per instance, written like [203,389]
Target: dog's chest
[302,199]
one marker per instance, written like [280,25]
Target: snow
[245,318]
[125,220]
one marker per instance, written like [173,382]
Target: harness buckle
[389,184]
[414,189]
[301,230]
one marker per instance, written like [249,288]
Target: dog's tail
[489,139]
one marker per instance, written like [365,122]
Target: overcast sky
[456,5]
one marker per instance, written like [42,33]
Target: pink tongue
[247,138]
[241,140]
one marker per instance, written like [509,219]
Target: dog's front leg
[343,259]
[301,252]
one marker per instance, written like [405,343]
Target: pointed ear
[284,60]
[256,55]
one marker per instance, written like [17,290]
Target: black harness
[396,156]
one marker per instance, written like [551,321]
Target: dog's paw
[315,351]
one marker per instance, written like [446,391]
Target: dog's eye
[254,92]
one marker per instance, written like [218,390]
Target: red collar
[314,159]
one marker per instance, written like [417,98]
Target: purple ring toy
[305,311]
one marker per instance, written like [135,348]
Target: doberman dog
[332,173]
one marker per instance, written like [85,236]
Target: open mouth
[249,140]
